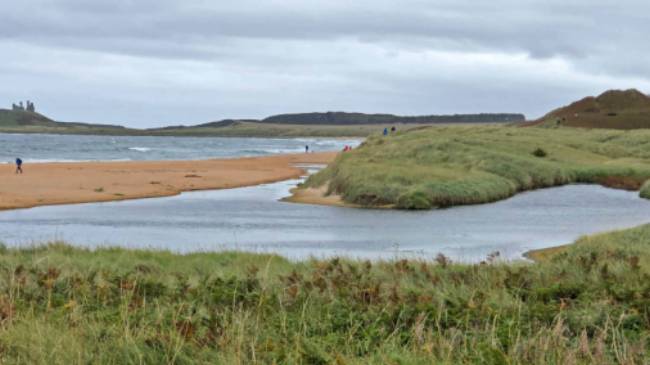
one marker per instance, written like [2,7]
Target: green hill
[343,118]
[614,109]
[330,124]
[19,118]
[21,121]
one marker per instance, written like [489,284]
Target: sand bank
[318,196]
[545,254]
[315,196]
[84,182]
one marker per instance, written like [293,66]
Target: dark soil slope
[614,109]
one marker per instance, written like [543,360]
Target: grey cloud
[228,58]
[536,27]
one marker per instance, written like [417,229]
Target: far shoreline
[359,137]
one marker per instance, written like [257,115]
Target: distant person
[385,131]
[307,149]
[19,166]
[393,129]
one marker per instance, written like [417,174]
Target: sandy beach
[84,182]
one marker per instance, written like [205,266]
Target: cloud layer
[150,63]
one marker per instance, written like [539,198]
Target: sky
[147,63]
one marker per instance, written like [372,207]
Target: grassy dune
[438,167]
[586,305]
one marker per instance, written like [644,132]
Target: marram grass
[438,167]
[587,304]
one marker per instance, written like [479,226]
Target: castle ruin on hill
[27,107]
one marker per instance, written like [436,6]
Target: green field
[586,305]
[440,167]
[257,129]
[241,129]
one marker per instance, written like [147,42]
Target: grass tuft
[538,152]
[645,190]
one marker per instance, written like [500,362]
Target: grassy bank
[437,167]
[586,305]
[645,190]
[635,241]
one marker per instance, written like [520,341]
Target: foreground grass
[585,305]
[434,167]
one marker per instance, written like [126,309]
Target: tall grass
[437,167]
[586,305]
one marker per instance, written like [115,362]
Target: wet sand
[85,182]
[316,196]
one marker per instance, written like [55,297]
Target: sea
[34,148]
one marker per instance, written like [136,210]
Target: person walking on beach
[19,166]
[307,149]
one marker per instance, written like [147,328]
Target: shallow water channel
[252,219]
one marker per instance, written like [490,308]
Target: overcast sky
[146,63]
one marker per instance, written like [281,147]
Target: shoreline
[546,253]
[315,196]
[56,183]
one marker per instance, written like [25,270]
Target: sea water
[49,148]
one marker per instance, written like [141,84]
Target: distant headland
[23,118]
[613,109]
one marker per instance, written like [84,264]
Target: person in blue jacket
[19,166]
